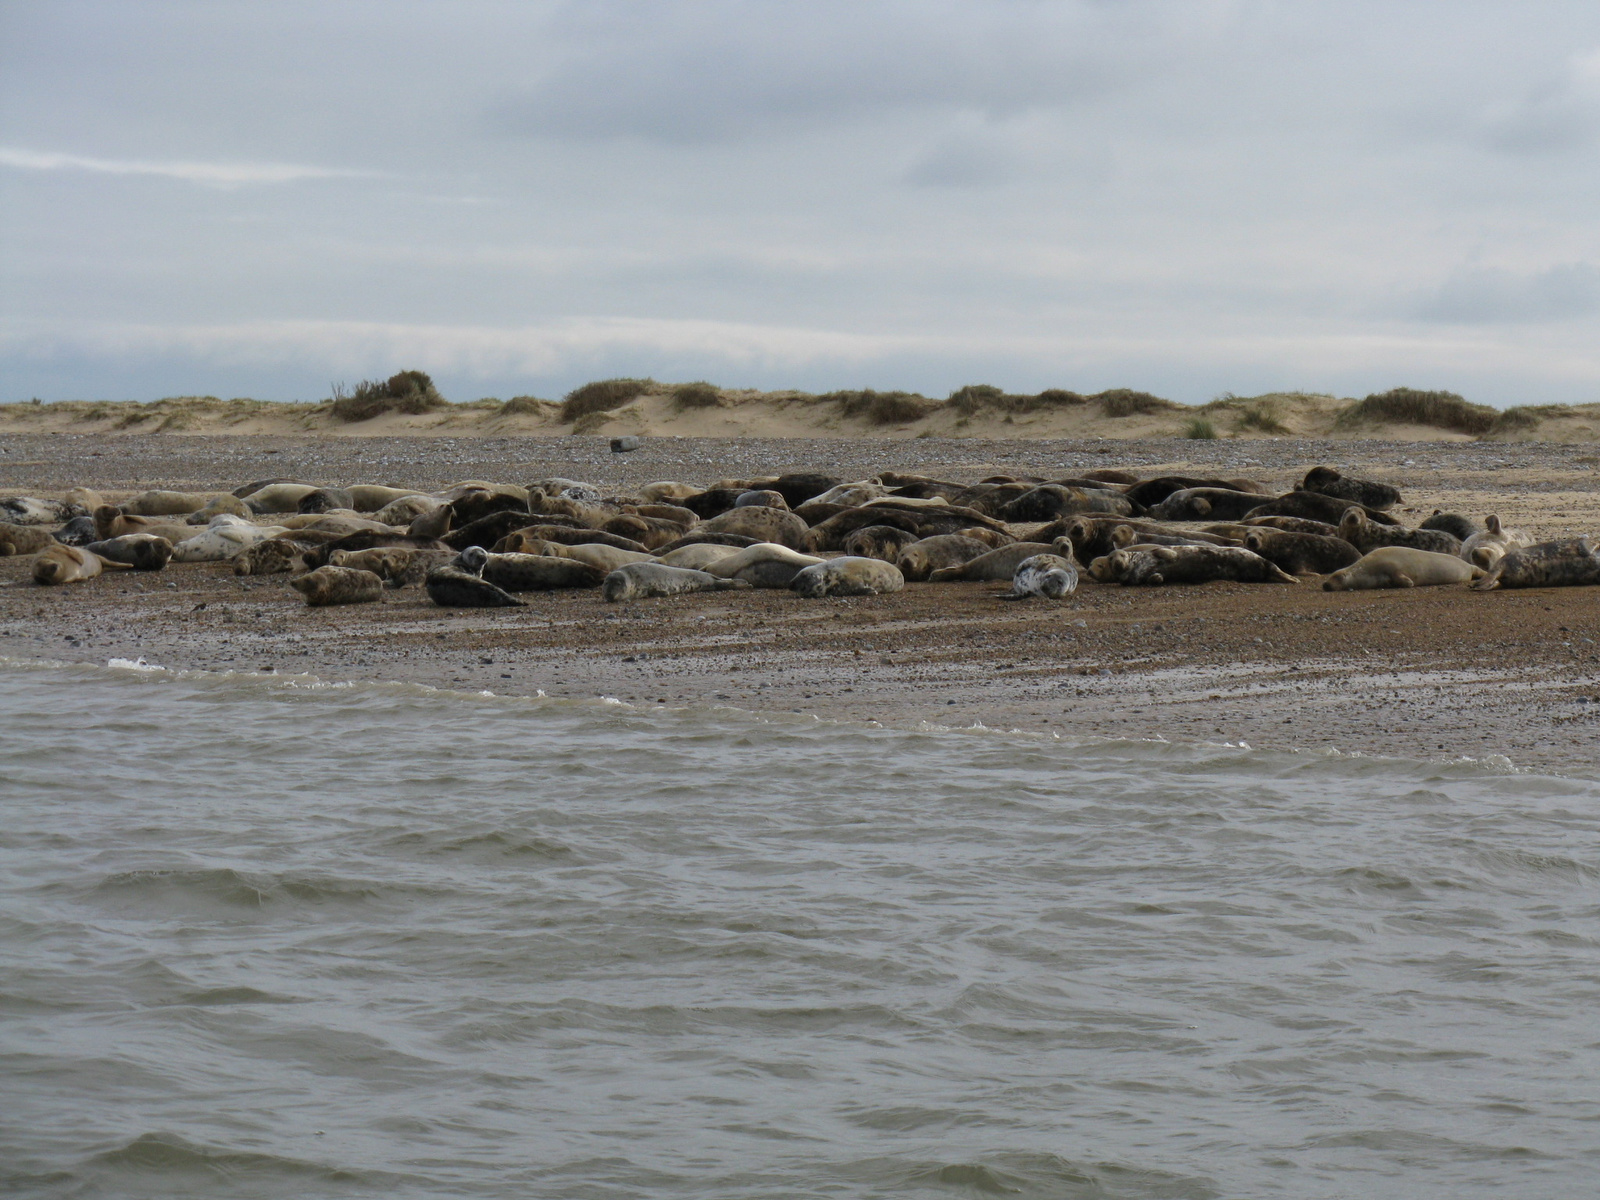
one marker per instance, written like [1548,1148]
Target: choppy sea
[270,937]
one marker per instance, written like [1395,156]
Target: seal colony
[483,543]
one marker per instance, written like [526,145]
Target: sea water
[270,937]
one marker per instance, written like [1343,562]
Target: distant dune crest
[408,403]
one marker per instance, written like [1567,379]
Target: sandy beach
[1435,673]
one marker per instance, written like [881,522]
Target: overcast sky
[261,199]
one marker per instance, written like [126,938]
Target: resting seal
[1401,567]
[637,581]
[1571,562]
[23,539]
[764,565]
[921,559]
[1052,500]
[1160,565]
[1301,553]
[695,558]
[848,577]
[277,497]
[995,566]
[397,566]
[141,551]
[274,556]
[878,541]
[338,585]
[226,504]
[763,497]
[1488,547]
[221,542]
[1314,506]
[765,524]
[528,572]
[1364,492]
[1365,535]
[1047,575]
[1462,527]
[453,587]
[65,564]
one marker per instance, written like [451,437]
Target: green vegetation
[1528,416]
[407,392]
[699,394]
[526,406]
[882,408]
[602,396]
[1199,429]
[1263,414]
[976,398]
[1124,402]
[1408,406]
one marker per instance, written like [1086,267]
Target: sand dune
[700,410]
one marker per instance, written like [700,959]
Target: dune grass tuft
[408,392]
[1409,406]
[882,408]
[1125,402]
[1199,429]
[603,395]
[978,398]
[698,394]
[527,406]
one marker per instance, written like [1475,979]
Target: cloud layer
[1191,197]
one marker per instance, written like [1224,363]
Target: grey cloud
[1490,295]
[719,71]
[1557,115]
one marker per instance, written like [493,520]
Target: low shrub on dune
[408,392]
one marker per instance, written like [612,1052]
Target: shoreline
[1435,673]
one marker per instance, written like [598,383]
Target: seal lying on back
[997,566]
[338,585]
[1047,575]
[638,581]
[1571,562]
[767,554]
[1491,544]
[848,576]
[65,564]
[141,551]
[1401,567]
[1206,504]
[1159,565]
[1366,535]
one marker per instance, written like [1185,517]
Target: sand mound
[700,409]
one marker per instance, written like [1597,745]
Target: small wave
[238,1171]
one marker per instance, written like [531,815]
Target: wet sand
[1431,673]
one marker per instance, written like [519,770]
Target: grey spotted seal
[397,566]
[327,586]
[1489,546]
[764,497]
[1462,527]
[529,572]
[65,564]
[219,543]
[1047,575]
[764,524]
[922,558]
[848,576]
[1570,562]
[1401,567]
[141,551]
[878,541]
[1357,528]
[274,556]
[23,539]
[1051,500]
[995,566]
[1164,565]
[1301,553]
[1365,492]
[638,581]
[226,504]
[30,510]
